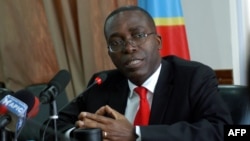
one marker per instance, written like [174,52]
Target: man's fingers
[79,124]
[113,113]
[103,116]
[81,116]
[94,117]
[108,112]
[89,123]
[101,111]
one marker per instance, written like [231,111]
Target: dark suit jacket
[186,104]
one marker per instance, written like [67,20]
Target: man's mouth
[133,63]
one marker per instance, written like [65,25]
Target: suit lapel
[162,94]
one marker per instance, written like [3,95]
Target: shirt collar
[150,83]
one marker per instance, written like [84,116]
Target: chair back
[237,98]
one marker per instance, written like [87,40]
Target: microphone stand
[4,121]
[3,135]
[53,109]
[54,117]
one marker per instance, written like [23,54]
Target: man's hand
[115,127]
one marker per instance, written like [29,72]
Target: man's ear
[159,41]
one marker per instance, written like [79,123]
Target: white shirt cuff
[67,133]
[138,133]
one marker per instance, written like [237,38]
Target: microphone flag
[168,17]
[17,110]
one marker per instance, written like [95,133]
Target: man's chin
[135,76]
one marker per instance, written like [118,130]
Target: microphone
[98,80]
[15,108]
[13,112]
[13,116]
[94,134]
[55,87]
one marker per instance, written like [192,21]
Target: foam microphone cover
[35,108]
[32,102]
[27,97]
[61,80]
[88,134]
[16,112]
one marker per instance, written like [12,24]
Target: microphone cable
[45,129]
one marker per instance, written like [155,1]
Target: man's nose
[129,46]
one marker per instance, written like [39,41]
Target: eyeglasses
[135,40]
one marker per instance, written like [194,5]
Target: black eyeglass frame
[133,41]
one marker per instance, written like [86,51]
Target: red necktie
[142,116]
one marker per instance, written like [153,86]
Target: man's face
[137,62]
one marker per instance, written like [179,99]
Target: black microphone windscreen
[60,80]
[27,97]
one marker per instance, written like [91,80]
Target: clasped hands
[115,126]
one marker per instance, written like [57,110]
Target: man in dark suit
[182,95]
